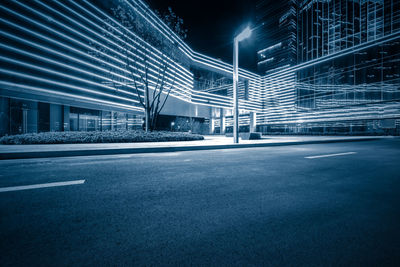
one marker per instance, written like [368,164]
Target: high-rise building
[329,26]
[276,34]
[347,75]
[350,50]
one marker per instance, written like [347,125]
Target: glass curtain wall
[327,27]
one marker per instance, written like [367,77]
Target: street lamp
[243,35]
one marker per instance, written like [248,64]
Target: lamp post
[243,35]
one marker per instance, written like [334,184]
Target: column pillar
[24,120]
[112,121]
[66,124]
[222,121]
[212,122]
[253,122]
[212,125]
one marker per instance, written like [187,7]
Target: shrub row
[98,137]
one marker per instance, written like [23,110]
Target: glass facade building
[354,45]
[335,70]
[326,27]
[276,34]
[346,76]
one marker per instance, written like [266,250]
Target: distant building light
[292,11]
[277,69]
[270,48]
[266,60]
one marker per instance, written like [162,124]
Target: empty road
[310,205]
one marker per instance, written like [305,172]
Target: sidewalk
[210,142]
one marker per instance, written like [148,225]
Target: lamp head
[246,33]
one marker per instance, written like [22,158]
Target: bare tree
[146,54]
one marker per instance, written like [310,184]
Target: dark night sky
[212,24]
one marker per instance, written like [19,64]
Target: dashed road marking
[37,186]
[330,155]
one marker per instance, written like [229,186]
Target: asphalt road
[257,206]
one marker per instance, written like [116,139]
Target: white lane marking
[330,155]
[36,186]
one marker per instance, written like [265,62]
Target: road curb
[99,152]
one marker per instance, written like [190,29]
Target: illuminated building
[276,34]
[326,27]
[346,79]
[52,81]
[352,50]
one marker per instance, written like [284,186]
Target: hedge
[128,136]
